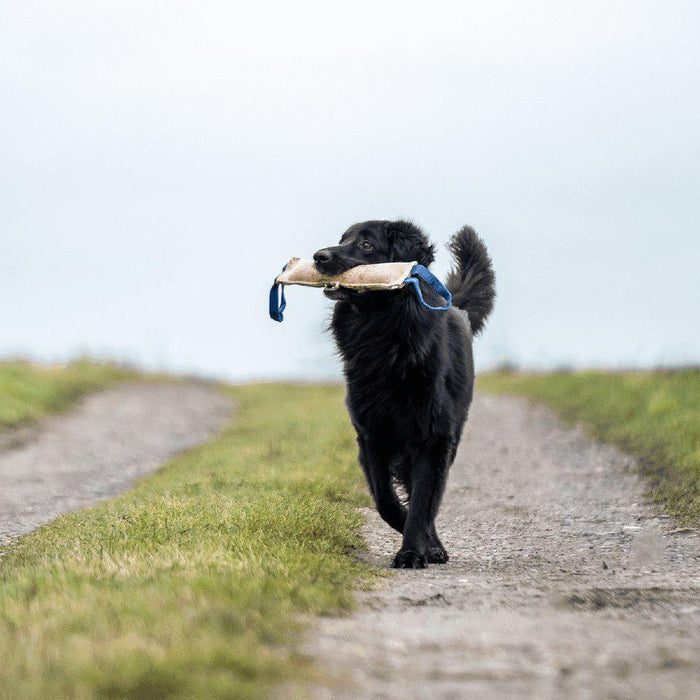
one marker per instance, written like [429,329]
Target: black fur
[409,372]
[472,281]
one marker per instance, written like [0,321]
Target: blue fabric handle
[277,301]
[425,274]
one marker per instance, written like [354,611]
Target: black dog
[409,372]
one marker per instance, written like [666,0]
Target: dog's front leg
[376,469]
[437,554]
[428,477]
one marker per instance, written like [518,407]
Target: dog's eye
[366,245]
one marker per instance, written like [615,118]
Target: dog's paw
[409,559]
[437,554]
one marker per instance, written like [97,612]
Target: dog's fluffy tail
[472,281]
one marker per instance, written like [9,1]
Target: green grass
[28,391]
[193,583]
[652,415]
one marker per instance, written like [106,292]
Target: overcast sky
[160,161]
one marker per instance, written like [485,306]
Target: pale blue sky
[161,160]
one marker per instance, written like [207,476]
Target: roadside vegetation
[193,583]
[652,415]
[29,391]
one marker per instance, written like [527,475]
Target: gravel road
[563,582]
[100,447]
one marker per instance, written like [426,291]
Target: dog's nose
[323,255]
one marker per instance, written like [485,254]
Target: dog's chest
[392,407]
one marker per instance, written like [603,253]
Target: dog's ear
[409,243]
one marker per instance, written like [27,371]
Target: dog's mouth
[332,267]
[340,293]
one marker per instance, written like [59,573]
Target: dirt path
[562,581]
[97,449]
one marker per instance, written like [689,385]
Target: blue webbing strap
[277,301]
[425,274]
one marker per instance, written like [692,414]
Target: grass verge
[191,584]
[29,391]
[652,415]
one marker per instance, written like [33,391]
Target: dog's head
[375,242]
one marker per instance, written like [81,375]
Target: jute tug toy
[380,276]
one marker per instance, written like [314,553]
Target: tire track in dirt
[98,448]
[563,582]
